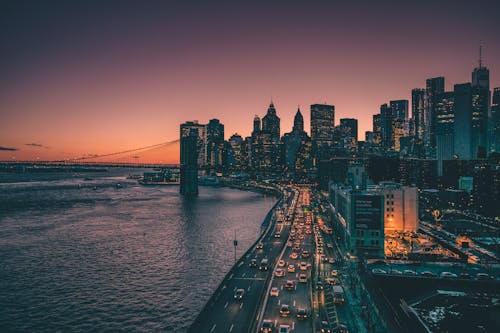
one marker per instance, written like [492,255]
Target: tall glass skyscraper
[322,130]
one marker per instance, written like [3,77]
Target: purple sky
[95,77]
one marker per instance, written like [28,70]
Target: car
[329,245]
[395,272]
[260,246]
[428,274]
[277,235]
[291,268]
[335,272]
[305,254]
[448,275]
[303,266]
[239,293]
[332,281]
[284,329]
[279,272]
[274,291]
[284,310]
[342,328]
[301,236]
[331,261]
[294,255]
[267,326]
[281,263]
[303,278]
[409,272]
[319,285]
[482,276]
[302,314]
[325,327]
[465,276]
[378,271]
[253,263]
[290,285]
[324,258]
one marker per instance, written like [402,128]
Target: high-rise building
[495,121]
[386,127]
[296,145]
[322,130]
[189,158]
[418,112]
[434,87]
[351,126]
[463,121]
[271,122]
[298,122]
[480,112]
[376,129]
[445,119]
[201,129]
[265,146]
[235,152]
[215,143]
[400,125]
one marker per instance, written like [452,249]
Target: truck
[338,294]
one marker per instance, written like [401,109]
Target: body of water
[106,254]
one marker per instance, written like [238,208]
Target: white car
[284,329]
[449,275]
[279,272]
[274,291]
[335,272]
[378,271]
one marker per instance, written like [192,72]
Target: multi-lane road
[226,311]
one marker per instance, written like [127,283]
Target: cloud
[8,148]
[38,145]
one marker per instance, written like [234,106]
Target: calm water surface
[85,255]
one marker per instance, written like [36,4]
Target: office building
[434,87]
[386,128]
[495,121]
[445,119]
[376,129]
[463,121]
[215,144]
[322,130]
[360,216]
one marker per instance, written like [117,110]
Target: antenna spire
[480,54]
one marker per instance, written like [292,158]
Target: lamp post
[235,243]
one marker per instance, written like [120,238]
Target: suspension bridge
[151,156]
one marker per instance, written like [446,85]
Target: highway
[224,312]
[288,293]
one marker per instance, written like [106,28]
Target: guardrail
[218,290]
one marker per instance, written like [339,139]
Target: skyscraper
[271,122]
[495,121]
[481,97]
[418,112]
[400,125]
[386,129]
[322,130]
[445,119]
[463,121]
[376,129]
[296,146]
[189,159]
[351,125]
[215,143]
[434,87]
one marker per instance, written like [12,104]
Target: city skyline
[115,84]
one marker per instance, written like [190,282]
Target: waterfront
[80,255]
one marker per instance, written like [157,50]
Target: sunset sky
[95,77]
